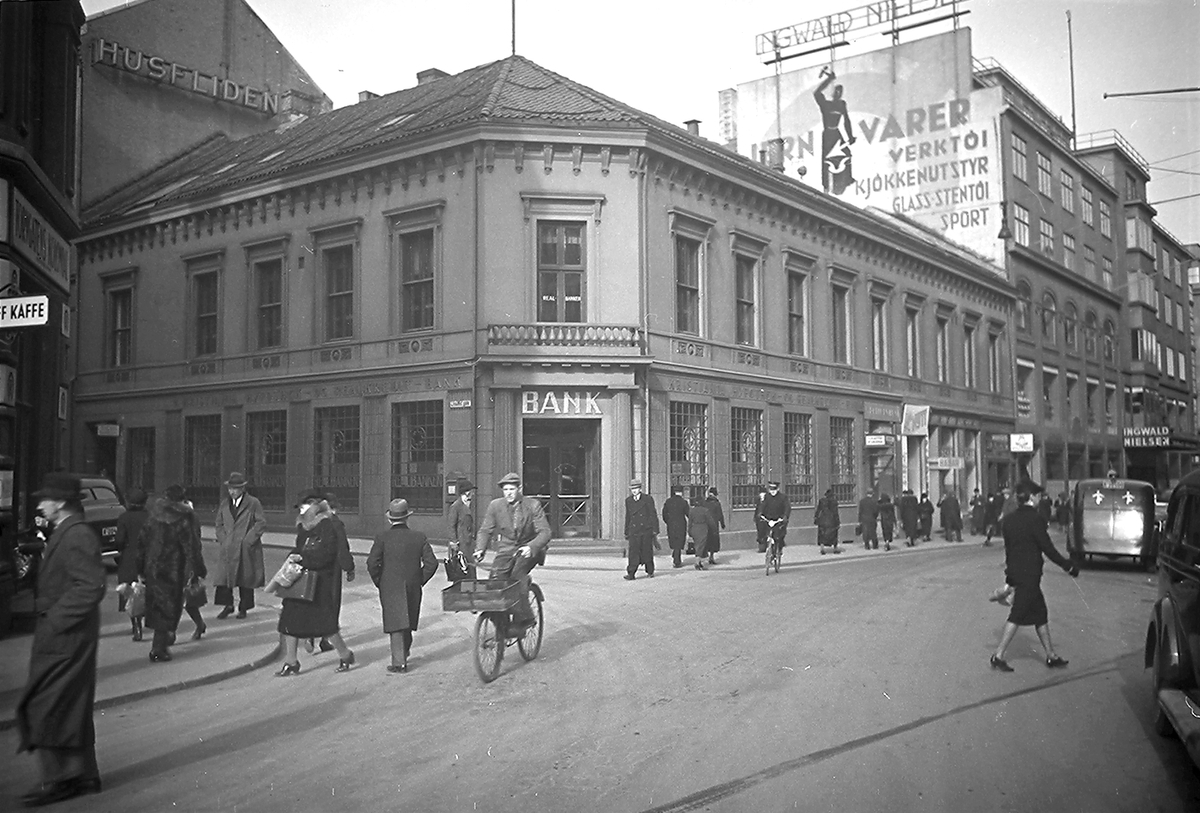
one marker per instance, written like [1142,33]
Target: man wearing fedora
[55,712]
[641,530]
[400,563]
[522,535]
[461,519]
[240,525]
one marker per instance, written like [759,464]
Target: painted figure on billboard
[836,137]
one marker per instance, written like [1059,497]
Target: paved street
[857,683]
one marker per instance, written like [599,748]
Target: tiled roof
[512,89]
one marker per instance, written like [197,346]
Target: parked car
[1171,649]
[1112,517]
[102,507]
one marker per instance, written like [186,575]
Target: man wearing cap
[522,535]
[461,519]
[54,714]
[776,511]
[1026,541]
[240,525]
[641,529]
[675,516]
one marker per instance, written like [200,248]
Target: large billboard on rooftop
[899,129]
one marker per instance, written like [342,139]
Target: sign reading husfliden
[899,129]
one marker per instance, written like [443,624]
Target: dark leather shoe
[344,665]
[288,669]
[199,633]
[1000,665]
[1056,662]
[397,670]
[325,646]
[225,613]
[628,577]
[241,614]
[160,657]
[56,792]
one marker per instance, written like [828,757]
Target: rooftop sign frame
[823,32]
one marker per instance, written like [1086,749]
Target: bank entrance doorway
[561,468]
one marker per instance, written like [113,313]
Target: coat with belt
[641,516]
[55,710]
[461,519]
[530,527]
[317,546]
[239,536]
[718,514]
[675,517]
[400,563]
[168,556]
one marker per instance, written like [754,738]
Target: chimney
[430,75]
[366,95]
[293,104]
[693,126]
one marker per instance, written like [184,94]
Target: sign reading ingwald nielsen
[898,129]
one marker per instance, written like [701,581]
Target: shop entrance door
[561,469]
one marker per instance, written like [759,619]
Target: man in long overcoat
[925,516]
[461,519]
[400,563]
[713,503]
[641,528]
[518,525]
[54,714]
[828,522]
[168,556]
[240,525]
[675,517]
[906,507]
[951,515]
[868,519]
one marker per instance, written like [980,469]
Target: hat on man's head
[464,485]
[636,482]
[713,491]
[510,479]
[174,493]
[1027,488]
[398,510]
[772,484]
[236,480]
[331,498]
[309,495]
[676,489]
[58,485]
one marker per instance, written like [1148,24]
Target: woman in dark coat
[906,506]
[828,522]
[925,516]
[951,514]
[400,563]
[701,528]
[713,504]
[168,557]
[129,526]
[887,520]
[317,550]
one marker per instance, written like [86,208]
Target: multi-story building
[39,216]
[505,270]
[1159,430]
[1101,307]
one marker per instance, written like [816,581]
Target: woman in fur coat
[168,557]
[317,550]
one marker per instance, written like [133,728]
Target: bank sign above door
[561,402]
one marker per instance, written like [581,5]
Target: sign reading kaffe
[1142,436]
[561,402]
[899,129]
[131,60]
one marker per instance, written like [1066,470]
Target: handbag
[135,602]
[456,566]
[302,589]
[195,594]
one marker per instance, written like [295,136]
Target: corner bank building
[505,270]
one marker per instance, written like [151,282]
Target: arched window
[1024,298]
[1110,340]
[1089,334]
[1070,321]
[1049,314]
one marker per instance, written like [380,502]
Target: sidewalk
[233,647]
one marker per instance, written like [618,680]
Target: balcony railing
[622,339]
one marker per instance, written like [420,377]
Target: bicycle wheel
[530,643]
[770,551]
[778,558]
[489,646]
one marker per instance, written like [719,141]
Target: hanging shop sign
[876,441]
[40,242]
[164,71]
[946,463]
[561,402]
[108,430]
[916,421]
[24,311]
[1021,443]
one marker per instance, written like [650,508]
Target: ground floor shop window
[202,459]
[841,460]
[798,457]
[337,453]
[266,457]
[688,447]
[746,456]
[418,452]
[139,464]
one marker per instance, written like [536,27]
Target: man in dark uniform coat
[641,528]
[775,511]
[1026,541]
[675,517]
[55,712]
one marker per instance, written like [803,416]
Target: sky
[670,59]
